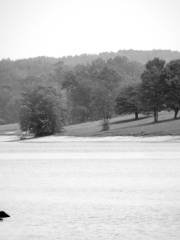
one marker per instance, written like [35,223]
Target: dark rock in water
[3,215]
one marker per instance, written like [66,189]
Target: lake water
[90,190]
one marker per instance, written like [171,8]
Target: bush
[40,111]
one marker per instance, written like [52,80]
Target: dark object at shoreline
[3,215]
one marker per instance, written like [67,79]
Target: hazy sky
[31,28]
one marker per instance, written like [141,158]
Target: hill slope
[119,126]
[17,75]
[126,126]
[133,55]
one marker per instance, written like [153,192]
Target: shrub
[40,111]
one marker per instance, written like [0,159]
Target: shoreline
[63,138]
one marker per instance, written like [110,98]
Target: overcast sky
[30,28]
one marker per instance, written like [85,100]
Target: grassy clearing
[127,126]
[119,126]
[9,129]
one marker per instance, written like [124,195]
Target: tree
[153,87]
[40,111]
[5,96]
[172,86]
[109,78]
[78,95]
[128,101]
[102,103]
[103,95]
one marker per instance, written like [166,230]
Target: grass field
[9,129]
[119,126]
[127,126]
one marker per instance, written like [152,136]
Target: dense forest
[88,84]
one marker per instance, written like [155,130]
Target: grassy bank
[9,129]
[127,126]
[119,126]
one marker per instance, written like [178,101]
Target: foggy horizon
[87,53]
[67,28]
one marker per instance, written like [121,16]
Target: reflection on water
[96,198]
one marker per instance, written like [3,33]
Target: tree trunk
[176,110]
[105,125]
[155,115]
[136,116]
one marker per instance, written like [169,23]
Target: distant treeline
[93,86]
[158,90]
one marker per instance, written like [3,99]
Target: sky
[30,28]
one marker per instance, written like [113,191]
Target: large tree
[89,89]
[77,88]
[128,101]
[103,95]
[153,87]
[172,84]
[102,103]
[40,111]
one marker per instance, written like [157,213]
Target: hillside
[119,126]
[133,55]
[17,75]
[126,126]
[12,73]
[43,66]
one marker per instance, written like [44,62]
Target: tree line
[16,76]
[97,91]
[159,90]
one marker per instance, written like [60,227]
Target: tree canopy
[128,101]
[152,90]
[172,86]
[40,111]
[105,85]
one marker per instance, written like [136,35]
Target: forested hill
[42,66]
[144,56]
[126,65]
[13,71]
[133,55]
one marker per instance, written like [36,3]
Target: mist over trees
[98,88]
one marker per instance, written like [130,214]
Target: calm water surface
[90,190]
